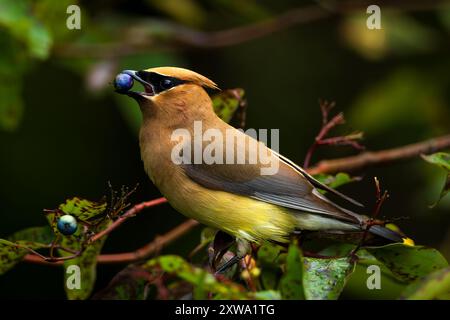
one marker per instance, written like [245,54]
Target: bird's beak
[148,87]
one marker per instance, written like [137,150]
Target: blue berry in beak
[67,225]
[123,82]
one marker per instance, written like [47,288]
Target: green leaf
[84,210]
[440,159]
[291,286]
[207,235]
[338,250]
[53,17]
[227,102]
[324,279]
[88,212]
[17,17]
[268,295]
[33,236]
[202,280]
[268,255]
[14,249]
[129,284]
[444,191]
[87,263]
[364,257]
[335,181]
[409,263]
[39,41]
[433,286]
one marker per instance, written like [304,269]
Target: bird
[234,198]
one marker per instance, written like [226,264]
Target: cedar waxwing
[235,198]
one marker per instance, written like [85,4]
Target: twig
[151,247]
[128,214]
[380,199]
[137,255]
[370,158]
[327,126]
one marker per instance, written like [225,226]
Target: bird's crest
[186,75]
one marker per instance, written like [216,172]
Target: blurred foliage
[400,35]
[400,95]
[405,98]
[28,31]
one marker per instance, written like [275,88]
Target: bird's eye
[167,84]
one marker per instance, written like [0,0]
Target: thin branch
[128,257]
[143,36]
[147,250]
[128,214]
[172,35]
[381,197]
[327,125]
[370,158]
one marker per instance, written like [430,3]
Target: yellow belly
[240,216]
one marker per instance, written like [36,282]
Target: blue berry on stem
[123,82]
[67,225]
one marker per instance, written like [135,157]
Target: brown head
[172,95]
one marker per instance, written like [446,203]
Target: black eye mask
[159,82]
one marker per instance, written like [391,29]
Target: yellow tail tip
[408,242]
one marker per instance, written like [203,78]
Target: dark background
[75,135]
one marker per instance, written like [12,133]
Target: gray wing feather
[289,191]
[315,182]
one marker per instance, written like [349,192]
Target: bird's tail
[391,235]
